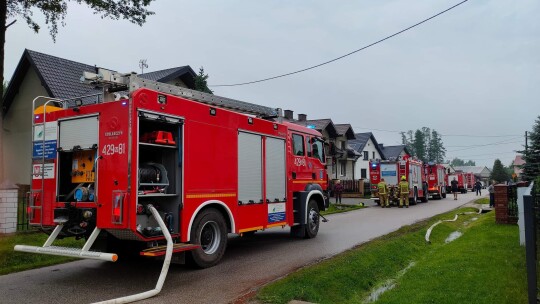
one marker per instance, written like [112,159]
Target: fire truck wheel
[444,194]
[210,231]
[313,220]
[415,197]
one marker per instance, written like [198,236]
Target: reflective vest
[403,187]
[382,187]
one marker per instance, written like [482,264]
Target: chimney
[381,146]
[289,114]
[302,117]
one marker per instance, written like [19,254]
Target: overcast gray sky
[471,71]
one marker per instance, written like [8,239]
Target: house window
[373,155]
[366,155]
[298,144]
[363,173]
[342,145]
[343,168]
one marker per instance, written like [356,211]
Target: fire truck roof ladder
[116,82]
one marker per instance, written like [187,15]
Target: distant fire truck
[167,169]
[392,171]
[436,180]
[460,178]
[471,180]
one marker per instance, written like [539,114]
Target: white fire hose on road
[164,269]
[428,232]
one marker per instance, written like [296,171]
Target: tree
[499,173]
[201,82]
[531,155]
[419,145]
[426,144]
[460,162]
[436,150]
[55,12]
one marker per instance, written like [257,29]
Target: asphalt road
[248,263]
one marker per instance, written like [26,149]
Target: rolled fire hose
[428,232]
[164,269]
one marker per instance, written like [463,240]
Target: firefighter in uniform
[383,193]
[403,192]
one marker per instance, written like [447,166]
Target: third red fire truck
[471,179]
[436,180]
[460,178]
[393,170]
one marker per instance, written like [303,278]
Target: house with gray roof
[340,157]
[39,74]
[394,152]
[367,146]
[480,172]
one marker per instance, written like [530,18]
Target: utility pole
[526,143]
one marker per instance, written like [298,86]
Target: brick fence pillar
[501,204]
[8,210]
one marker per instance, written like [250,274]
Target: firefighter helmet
[403,178]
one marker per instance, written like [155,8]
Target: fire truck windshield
[317,148]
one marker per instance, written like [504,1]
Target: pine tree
[436,149]
[499,173]
[419,145]
[200,82]
[531,168]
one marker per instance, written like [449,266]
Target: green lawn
[13,261]
[485,265]
[338,208]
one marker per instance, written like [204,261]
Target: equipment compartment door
[250,182]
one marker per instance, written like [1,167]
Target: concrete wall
[177,82]
[17,146]
[364,164]
[8,210]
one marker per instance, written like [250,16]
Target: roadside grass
[338,208]
[485,265]
[14,261]
[483,201]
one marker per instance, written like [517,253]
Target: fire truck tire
[425,198]
[415,197]
[313,220]
[443,194]
[210,231]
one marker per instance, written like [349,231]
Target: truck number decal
[299,162]
[112,149]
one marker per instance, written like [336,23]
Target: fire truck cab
[168,166]
[392,170]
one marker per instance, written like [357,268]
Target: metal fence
[512,204]
[22,204]
[531,204]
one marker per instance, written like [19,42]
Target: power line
[442,135]
[343,56]
[467,156]
[480,145]
[495,144]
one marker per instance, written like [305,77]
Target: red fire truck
[436,180]
[392,170]
[164,164]
[461,179]
[471,179]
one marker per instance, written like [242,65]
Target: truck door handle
[294,175]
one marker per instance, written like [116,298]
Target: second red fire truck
[393,170]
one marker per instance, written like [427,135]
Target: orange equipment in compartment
[82,169]
[158,137]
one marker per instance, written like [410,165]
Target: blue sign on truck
[50,149]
